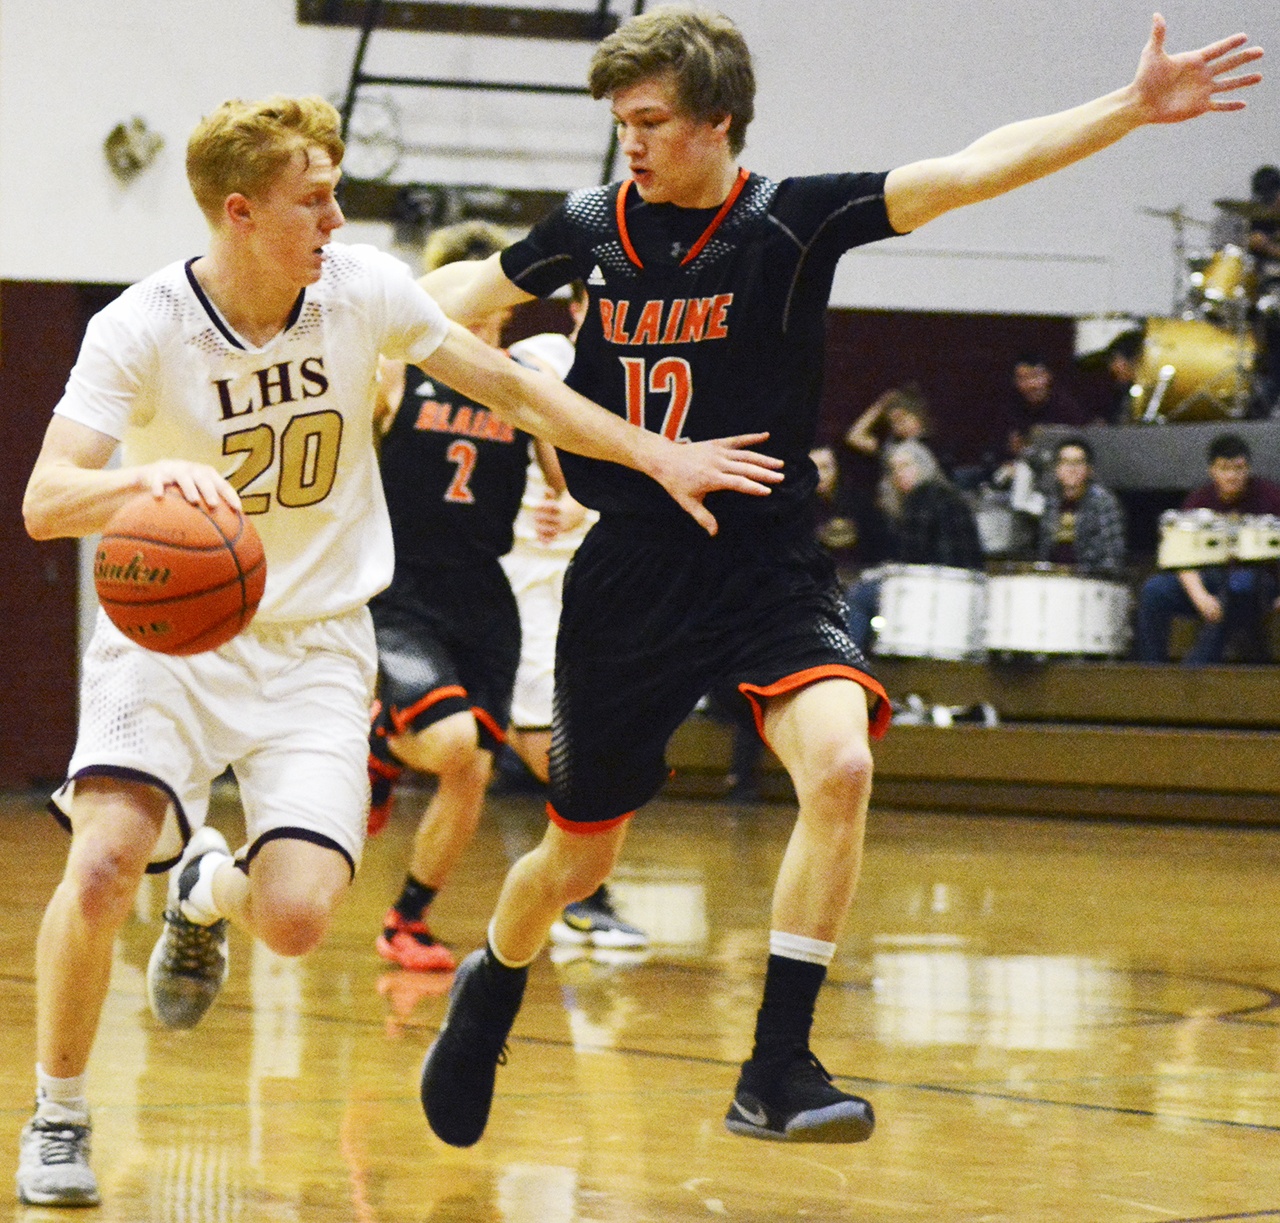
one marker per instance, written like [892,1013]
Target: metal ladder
[442,202]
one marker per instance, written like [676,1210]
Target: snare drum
[1191,538]
[1258,538]
[1047,610]
[932,611]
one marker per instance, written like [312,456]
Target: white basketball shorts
[537,582]
[286,706]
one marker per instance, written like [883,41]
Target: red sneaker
[412,946]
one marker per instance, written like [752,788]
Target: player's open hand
[197,482]
[694,469]
[1172,88]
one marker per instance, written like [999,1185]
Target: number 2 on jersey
[463,454]
[670,376]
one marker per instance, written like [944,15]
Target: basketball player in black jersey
[709,288]
[447,627]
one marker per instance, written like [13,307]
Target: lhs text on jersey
[276,384]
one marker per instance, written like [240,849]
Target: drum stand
[1179,218]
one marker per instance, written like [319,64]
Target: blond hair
[704,51]
[465,241]
[243,146]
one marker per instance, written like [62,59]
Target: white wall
[843,83]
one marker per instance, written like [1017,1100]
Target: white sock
[199,906]
[61,1100]
[497,955]
[798,947]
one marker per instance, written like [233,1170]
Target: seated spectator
[1123,356]
[834,522]
[934,526]
[899,415]
[1034,399]
[1231,600]
[1082,524]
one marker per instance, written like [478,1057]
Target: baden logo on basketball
[137,572]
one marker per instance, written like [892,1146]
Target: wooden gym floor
[1057,1021]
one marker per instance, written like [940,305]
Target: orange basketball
[176,577]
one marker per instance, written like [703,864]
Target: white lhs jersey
[290,424]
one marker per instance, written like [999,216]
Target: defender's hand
[1171,88]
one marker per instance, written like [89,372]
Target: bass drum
[1191,370]
[932,611]
[1041,609]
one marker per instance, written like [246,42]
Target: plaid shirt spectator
[1099,530]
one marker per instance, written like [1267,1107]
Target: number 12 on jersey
[668,376]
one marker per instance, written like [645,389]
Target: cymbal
[1178,215]
[1250,209]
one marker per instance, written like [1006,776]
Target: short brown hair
[461,242]
[704,50]
[242,146]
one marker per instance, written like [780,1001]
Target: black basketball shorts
[448,642]
[651,624]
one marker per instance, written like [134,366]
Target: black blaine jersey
[703,322]
[453,474]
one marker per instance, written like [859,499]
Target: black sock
[414,899]
[786,1013]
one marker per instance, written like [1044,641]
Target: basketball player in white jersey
[247,376]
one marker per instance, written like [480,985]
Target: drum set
[1031,610]
[1200,364]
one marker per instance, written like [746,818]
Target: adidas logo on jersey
[596,277]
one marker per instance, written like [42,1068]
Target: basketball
[179,578]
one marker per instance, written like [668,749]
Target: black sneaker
[799,1103]
[461,1065]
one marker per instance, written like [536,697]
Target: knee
[449,748]
[292,926]
[574,876]
[843,782]
[104,878]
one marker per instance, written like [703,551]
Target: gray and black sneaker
[189,961]
[53,1163]
[459,1070]
[797,1103]
[595,922]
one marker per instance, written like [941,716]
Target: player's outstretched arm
[1166,89]
[70,492]
[469,290]
[544,406]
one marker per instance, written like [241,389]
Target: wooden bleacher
[1086,738]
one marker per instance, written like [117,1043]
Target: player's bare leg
[534,749]
[115,827]
[459,1071]
[450,749]
[286,900]
[288,897]
[563,868]
[820,734]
